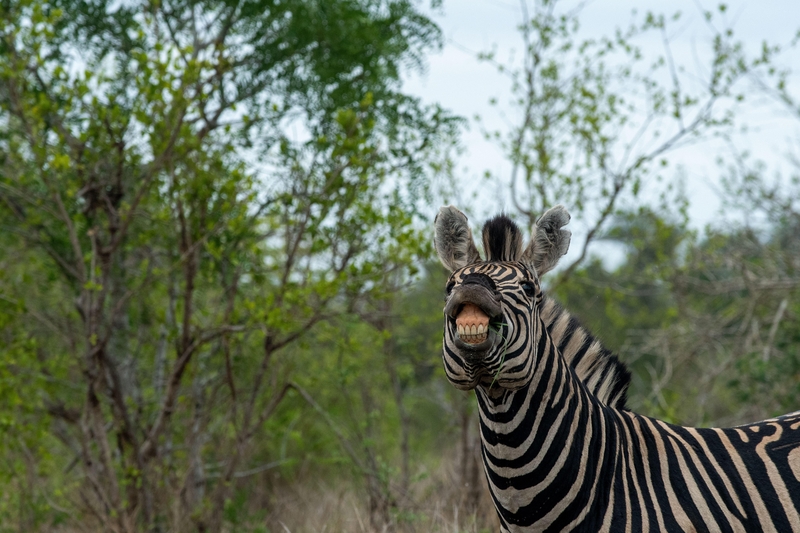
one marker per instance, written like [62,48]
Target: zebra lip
[488,302]
[474,349]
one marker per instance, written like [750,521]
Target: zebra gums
[560,450]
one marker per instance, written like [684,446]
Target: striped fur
[594,364]
[560,451]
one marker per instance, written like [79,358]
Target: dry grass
[436,503]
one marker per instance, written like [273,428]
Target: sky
[458,81]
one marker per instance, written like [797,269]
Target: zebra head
[491,314]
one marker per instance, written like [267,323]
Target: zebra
[561,452]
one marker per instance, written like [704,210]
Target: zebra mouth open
[472,329]
[472,324]
[474,315]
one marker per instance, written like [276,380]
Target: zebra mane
[603,374]
[502,239]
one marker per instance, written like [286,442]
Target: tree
[595,119]
[175,236]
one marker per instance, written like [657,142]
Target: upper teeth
[472,324]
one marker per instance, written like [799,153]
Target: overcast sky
[458,81]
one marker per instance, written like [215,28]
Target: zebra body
[560,451]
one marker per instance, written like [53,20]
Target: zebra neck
[542,445]
[595,365]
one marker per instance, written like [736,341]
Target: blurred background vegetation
[219,308]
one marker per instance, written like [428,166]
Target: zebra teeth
[472,324]
[471,335]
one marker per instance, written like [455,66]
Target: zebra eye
[529,288]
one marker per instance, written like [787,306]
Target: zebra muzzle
[472,308]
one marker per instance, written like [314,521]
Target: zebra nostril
[476,294]
[480,279]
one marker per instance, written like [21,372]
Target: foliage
[630,294]
[176,239]
[596,120]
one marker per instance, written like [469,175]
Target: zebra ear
[548,242]
[453,239]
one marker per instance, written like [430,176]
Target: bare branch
[148,447]
[774,329]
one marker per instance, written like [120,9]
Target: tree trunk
[469,453]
